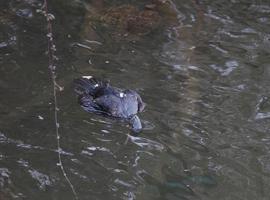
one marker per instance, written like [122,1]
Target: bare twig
[52,67]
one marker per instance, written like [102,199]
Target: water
[203,72]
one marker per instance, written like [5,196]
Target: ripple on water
[227,69]
[262,109]
[4,177]
[146,143]
[43,180]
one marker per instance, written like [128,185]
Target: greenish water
[203,72]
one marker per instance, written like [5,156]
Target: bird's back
[99,97]
[111,100]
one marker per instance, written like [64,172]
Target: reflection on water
[203,71]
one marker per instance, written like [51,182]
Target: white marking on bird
[88,77]
[96,85]
[122,94]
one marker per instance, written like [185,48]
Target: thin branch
[52,67]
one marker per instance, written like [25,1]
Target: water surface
[204,74]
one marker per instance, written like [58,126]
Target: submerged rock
[130,21]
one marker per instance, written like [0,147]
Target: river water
[203,71]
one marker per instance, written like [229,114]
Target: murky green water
[203,71]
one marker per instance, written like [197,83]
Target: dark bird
[99,97]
